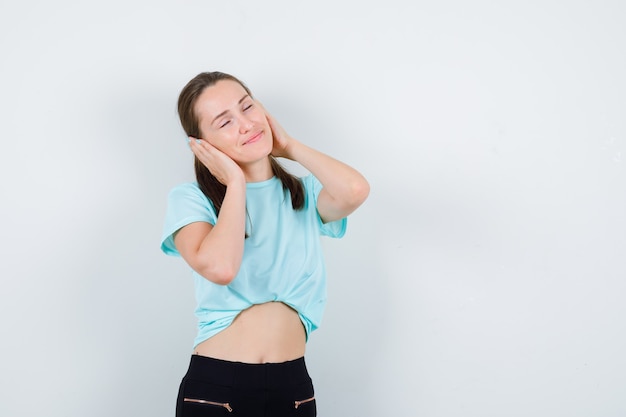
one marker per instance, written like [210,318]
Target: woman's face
[233,122]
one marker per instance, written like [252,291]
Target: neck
[259,171]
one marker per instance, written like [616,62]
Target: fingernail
[198,141]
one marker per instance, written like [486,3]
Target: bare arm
[215,251]
[345,189]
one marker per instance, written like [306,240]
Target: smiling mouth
[254,138]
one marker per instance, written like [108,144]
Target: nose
[245,124]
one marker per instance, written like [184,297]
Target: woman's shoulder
[185,189]
[188,193]
[311,184]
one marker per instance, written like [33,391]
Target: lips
[254,138]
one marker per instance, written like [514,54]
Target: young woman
[251,233]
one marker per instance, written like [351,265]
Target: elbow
[352,197]
[223,279]
[363,191]
[220,275]
[359,191]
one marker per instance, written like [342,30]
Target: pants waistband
[271,375]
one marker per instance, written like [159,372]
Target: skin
[238,135]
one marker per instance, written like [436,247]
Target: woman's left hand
[282,140]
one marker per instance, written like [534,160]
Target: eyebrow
[226,111]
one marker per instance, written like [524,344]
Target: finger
[199,145]
[194,145]
[208,154]
[204,143]
[201,149]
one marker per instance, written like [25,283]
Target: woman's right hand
[215,250]
[217,162]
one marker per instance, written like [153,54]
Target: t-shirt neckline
[261,184]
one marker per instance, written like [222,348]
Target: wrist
[236,180]
[290,151]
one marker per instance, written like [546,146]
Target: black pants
[214,387]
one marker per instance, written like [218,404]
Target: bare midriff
[264,333]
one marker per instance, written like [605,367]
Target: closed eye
[224,123]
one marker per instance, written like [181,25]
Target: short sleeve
[335,229]
[185,204]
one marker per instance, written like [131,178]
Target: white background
[485,275]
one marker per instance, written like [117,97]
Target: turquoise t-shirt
[282,258]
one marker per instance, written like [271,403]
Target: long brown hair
[209,185]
